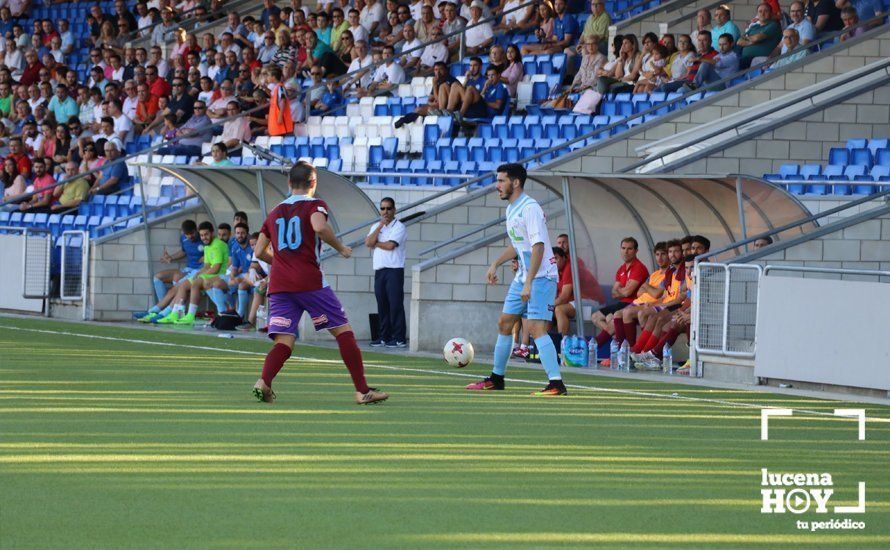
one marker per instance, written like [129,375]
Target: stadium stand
[219,56]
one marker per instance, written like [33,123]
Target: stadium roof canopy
[258,189]
[725,209]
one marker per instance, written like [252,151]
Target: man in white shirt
[388,76]
[360,66]
[434,52]
[478,36]
[466,10]
[236,130]
[387,241]
[123,126]
[355,26]
[413,47]
[132,99]
[371,16]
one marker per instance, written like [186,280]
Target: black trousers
[389,288]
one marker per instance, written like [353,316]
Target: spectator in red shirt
[156,85]
[48,32]
[43,196]
[630,275]
[31,73]
[17,153]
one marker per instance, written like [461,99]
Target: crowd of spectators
[283,66]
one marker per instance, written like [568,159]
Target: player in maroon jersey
[294,230]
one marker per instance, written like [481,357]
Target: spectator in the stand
[62,105]
[762,242]
[703,52]
[360,68]
[514,17]
[626,70]
[123,126]
[435,52]
[113,174]
[236,130]
[723,24]
[220,157]
[824,15]
[479,36]
[355,26]
[702,23]
[427,24]
[723,65]
[156,85]
[13,182]
[412,49]
[866,10]
[492,100]
[163,31]
[338,25]
[804,27]
[514,72]
[565,31]
[597,26]
[43,194]
[851,28]
[189,137]
[371,16]
[790,41]
[453,24]
[438,98]
[681,58]
[388,76]
[75,191]
[591,62]
[761,37]
[180,104]
[653,73]
[474,78]
[497,58]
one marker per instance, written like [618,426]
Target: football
[458,352]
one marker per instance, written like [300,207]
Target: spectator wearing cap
[479,36]
[63,106]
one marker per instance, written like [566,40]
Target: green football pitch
[117,437]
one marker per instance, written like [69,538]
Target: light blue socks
[243,301]
[502,350]
[219,299]
[160,288]
[547,353]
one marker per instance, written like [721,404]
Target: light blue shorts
[540,304]
[188,273]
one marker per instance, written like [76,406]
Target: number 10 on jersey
[290,236]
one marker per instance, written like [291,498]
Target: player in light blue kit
[533,290]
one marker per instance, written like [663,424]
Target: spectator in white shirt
[389,75]
[132,99]
[371,16]
[413,48]
[360,68]
[479,36]
[123,126]
[355,26]
[435,52]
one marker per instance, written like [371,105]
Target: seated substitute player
[297,285]
[193,251]
[533,290]
[258,278]
[240,255]
[208,278]
[648,295]
[630,275]
[679,321]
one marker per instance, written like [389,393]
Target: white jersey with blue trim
[527,226]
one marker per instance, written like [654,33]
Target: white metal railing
[725,309]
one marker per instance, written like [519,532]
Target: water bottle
[624,357]
[261,317]
[667,360]
[613,354]
[591,353]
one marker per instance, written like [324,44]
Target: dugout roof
[725,209]
[258,189]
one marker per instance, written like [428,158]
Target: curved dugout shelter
[608,208]
[258,189]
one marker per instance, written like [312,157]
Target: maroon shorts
[286,308]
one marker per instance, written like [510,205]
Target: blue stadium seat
[875,144]
[452,167]
[526,148]
[418,167]
[485,130]
[811,172]
[477,148]
[434,167]
[509,152]
[386,165]
[390,147]
[860,156]
[460,150]
[789,171]
[857,143]
[316,147]
[539,92]
[882,157]
[838,156]
[445,152]
[375,156]
[335,165]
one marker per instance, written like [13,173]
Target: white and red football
[458,352]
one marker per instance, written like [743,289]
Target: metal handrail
[809,219]
[832,270]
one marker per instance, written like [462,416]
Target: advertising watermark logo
[801,492]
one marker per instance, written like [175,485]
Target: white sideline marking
[434,371]
[764,420]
